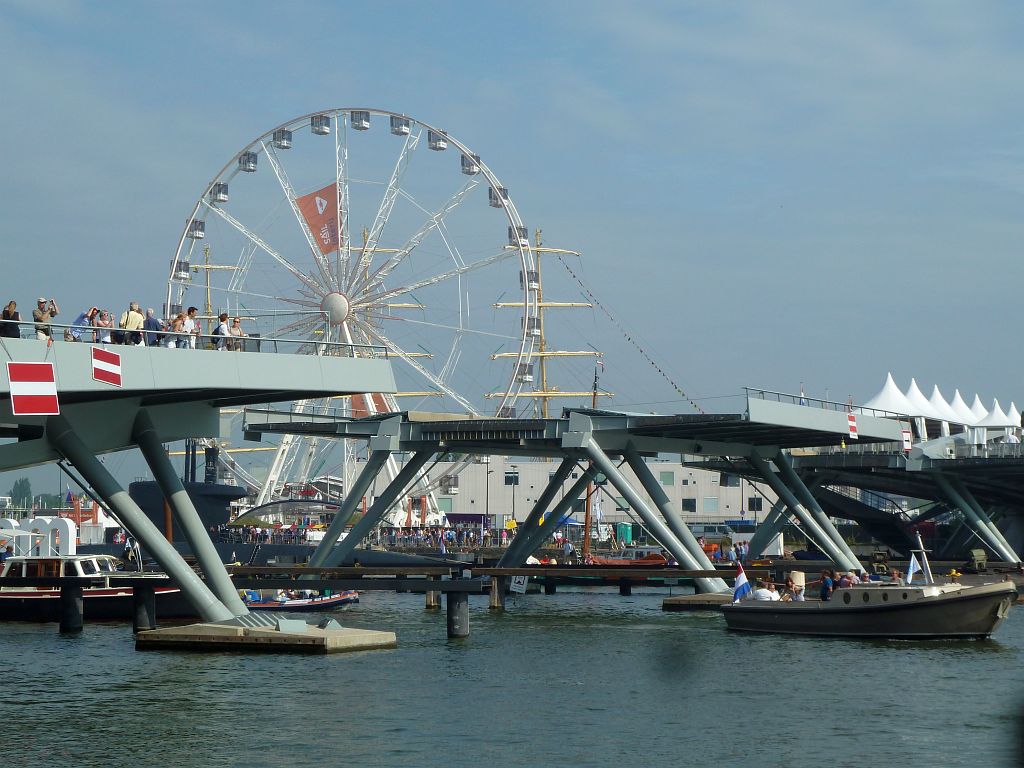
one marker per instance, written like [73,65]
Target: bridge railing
[88,334]
[756,393]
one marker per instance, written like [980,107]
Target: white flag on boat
[913,568]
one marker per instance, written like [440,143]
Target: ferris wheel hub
[337,307]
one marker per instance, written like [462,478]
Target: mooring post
[497,601]
[144,608]
[71,607]
[549,587]
[458,614]
[433,598]
[625,588]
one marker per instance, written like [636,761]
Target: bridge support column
[72,607]
[458,614]
[971,518]
[792,479]
[353,496]
[768,530]
[553,518]
[337,554]
[810,525]
[145,435]
[661,532]
[62,436]
[143,608]
[964,491]
[520,548]
[673,519]
[497,599]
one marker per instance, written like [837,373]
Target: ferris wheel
[359,227]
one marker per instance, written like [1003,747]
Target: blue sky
[764,193]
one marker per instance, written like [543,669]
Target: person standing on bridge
[42,314]
[9,329]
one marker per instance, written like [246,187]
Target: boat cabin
[52,567]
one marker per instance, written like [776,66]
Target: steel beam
[530,527]
[971,518]
[552,519]
[673,518]
[661,532]
[969,497]
[337,554]
[61,435]
[353,496]
[792,479]
[769,529]
[145,435]
[810,525]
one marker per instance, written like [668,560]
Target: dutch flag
[740,587]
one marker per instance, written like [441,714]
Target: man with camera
[42,314]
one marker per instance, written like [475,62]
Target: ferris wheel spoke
[306,280]
[387,204]
[289,192]
[377,298]
[433,221]
[443,327]
[436,381]
[341,188]
[302,324]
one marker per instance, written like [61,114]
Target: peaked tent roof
[996,417]
[978,410]
[890,399]
[1013,414]
[938,402]
[920,403]
[962,409]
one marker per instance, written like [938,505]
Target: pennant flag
[33,389]
[106,366]
[913,568]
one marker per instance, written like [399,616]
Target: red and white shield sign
[851,418]
[106,366]
[33,389]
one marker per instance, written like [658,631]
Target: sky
[764,194]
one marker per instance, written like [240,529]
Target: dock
[286,636]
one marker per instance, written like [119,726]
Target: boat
[102,599]
[254,602]
[884,610]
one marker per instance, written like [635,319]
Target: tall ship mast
[535,326]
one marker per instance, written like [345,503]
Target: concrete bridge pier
[143,608]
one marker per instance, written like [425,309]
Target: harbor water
[582,678]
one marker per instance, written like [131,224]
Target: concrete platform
[219,637]
[712,601]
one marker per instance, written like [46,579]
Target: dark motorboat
[105,597]
[883,611]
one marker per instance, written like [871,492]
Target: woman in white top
[103,323]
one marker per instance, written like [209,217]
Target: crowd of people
[132,327]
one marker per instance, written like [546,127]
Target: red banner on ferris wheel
[320,210]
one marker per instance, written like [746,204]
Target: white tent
[890,399]
[1013,414]
[978,410]
[920,404]
[961,409]
[996,417]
